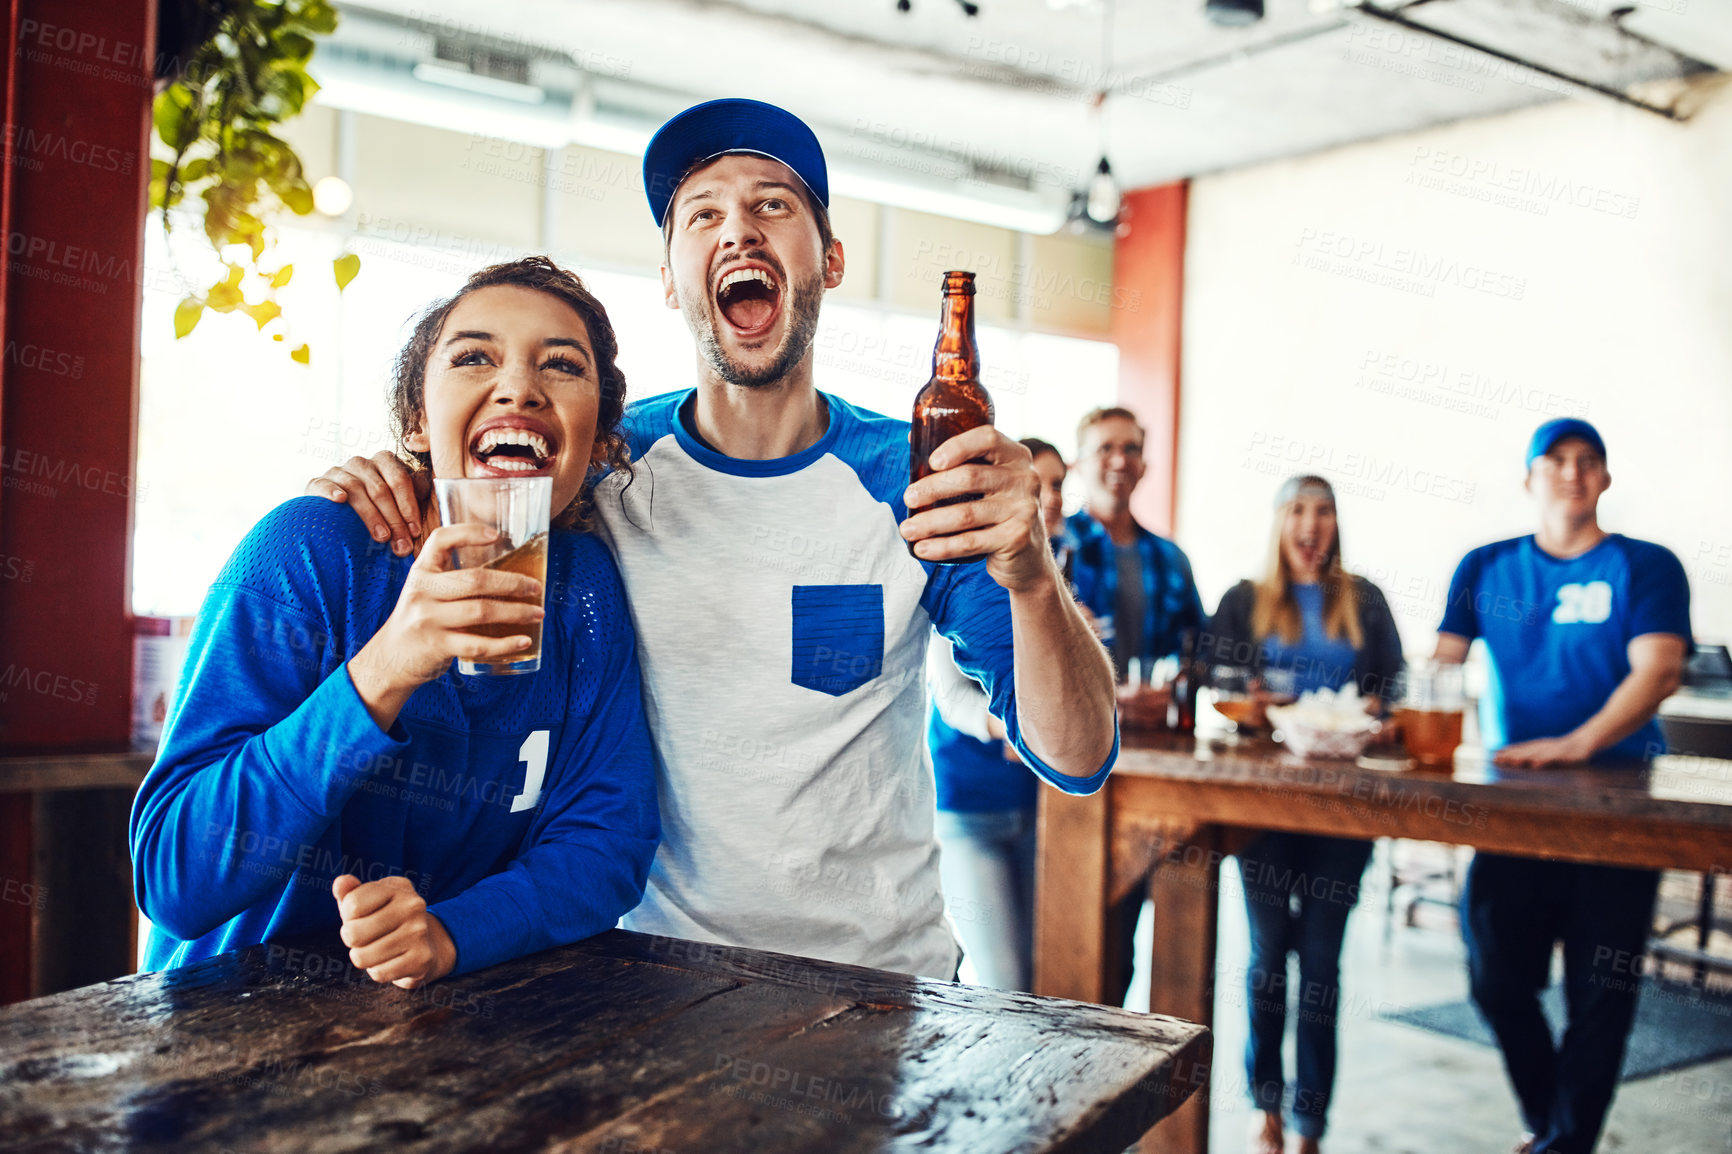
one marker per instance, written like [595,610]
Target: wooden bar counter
[622,1044]
[1176,804]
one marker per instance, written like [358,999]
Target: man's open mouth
[749,298]
[510,450]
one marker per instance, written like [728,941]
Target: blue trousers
[987,867]
[1513,911]
[1299,889]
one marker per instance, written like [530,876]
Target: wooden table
[1176,805]
[623,1044]
[66,912]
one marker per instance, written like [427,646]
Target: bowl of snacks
[1323,723]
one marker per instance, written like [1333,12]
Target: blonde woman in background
[1326,628]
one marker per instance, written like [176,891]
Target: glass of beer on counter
[1232,694]
[1430,713]
[519,508]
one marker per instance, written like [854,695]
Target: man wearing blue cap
[782,621]
[1587,632]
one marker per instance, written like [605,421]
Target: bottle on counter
[1182,706]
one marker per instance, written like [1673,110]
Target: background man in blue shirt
[1140,590]
[1587,632]
[1138,585]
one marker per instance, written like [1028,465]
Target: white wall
[1400,315]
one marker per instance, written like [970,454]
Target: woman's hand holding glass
[433,619]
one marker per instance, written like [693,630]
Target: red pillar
[1149,270]
[77,89]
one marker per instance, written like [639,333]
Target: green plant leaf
[345,267]
[295,46]
[220,120]
[263,313]
[186,315]
[168,115]
[225,295]
[297,198]
[319,17]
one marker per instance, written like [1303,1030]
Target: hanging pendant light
[1101,200]
[1104,199]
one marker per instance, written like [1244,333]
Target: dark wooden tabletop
[51,771]
[623,1044]
[1693,790]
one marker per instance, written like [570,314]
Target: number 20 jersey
[1558,630]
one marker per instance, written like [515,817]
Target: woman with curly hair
[326,766]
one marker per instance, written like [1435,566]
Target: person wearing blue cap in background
[782,620]
[1587,632]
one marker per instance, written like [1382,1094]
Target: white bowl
[1346,736]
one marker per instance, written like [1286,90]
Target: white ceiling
[1011,92]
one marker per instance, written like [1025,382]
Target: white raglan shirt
[782,631]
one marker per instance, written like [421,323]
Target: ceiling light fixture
[968,9]
[1234,13]
[459,77]
[1102,201]
[332,196]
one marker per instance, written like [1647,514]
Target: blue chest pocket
[838,636]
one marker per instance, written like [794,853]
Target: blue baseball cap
[1552,432]
[718,127]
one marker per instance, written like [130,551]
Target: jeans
[986,864]
[1299,889]
[1513,911]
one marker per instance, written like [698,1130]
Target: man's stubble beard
[803,304]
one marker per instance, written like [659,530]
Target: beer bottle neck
[955,357]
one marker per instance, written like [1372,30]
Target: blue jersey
[1558,631]
[1317,660]
[974,776]
[783,627]
[1171,603]
[968,764]
[522,808]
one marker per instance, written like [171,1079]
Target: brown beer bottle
[953,401]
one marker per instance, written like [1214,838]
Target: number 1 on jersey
[533,753]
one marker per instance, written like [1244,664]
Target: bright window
[230,427]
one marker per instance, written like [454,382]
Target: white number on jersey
[1587,604]
[533,753]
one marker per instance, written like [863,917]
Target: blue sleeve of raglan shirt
[266,742]
[973,610]
[1659,593]
[1459,615]
[586,858]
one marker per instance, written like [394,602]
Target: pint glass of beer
[519,508]
[1430,713]
[1232,693]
